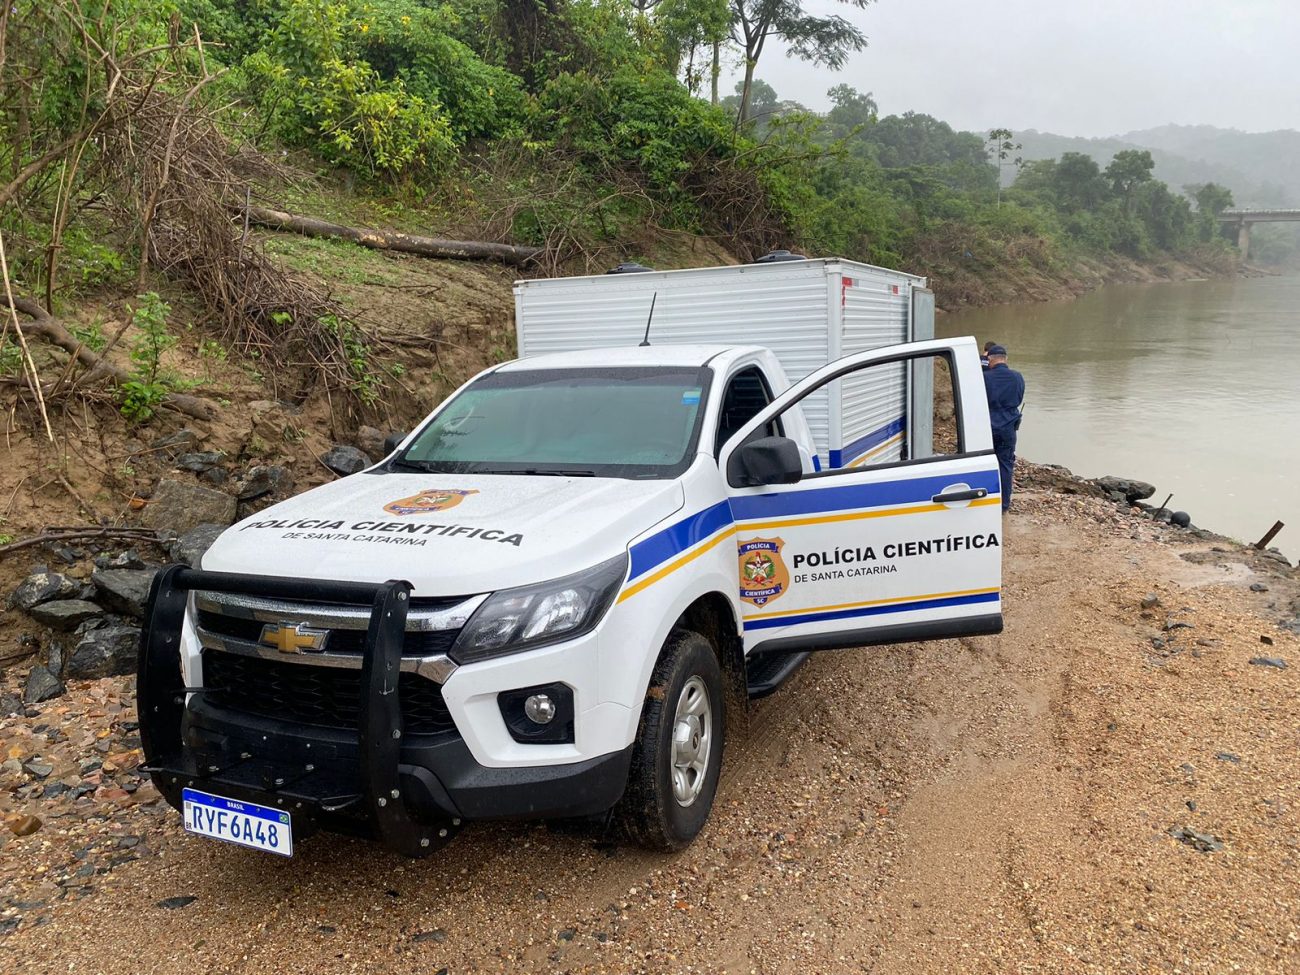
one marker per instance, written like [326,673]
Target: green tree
[1078,183]
[1129,168]
[689,26]
[851,107]
[1003,147]
[826,41]
[1211,198]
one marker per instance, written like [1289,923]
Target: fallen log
[390,240]
[48,327]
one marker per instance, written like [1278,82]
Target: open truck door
[876,551]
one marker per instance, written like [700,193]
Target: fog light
[539,709]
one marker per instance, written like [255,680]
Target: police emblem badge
[763,573]
[429,500]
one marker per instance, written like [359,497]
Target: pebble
[175,903]
[437,935]
[21,825]
[1150,601]
[1258,587]
[1277,662]
[1201,842]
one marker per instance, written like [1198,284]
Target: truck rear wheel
[678,751]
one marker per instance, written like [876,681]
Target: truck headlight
[532,616]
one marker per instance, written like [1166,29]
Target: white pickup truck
[542,602]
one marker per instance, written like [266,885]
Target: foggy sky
[1075,67]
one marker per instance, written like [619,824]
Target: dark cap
[993,350]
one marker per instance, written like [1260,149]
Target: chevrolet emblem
[293,637]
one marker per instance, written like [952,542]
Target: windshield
[631,422]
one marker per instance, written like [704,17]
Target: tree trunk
[391,239]
[716,69]
[743,117]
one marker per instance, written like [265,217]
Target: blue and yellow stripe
[663,553]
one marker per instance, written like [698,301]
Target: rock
[199,462]
[1177,625]
[180,507]
[1258,587]
[21,825]
[1131,489]
[265,479]
[1150,601]
[65,614]
[41,685]
[105,652]
[1181,519]
[10,705]
[130,559]
[1266,640]
[215,477]
[437,935]
[38,770]
[1276,662]
[1275,556]
[54,657]
[1158,642]
[1228,757]
[174,444]
[1201,842]
[370,440]
[567,934]
[124,590]
[175,903]
[44,586]
[345,460]
[189,548]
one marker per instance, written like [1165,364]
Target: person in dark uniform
[984,356]
[1006,393]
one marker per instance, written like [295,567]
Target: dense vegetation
[585,127]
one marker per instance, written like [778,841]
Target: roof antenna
[646,341]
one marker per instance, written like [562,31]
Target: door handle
[968,495]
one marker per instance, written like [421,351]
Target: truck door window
[879,422]
[746,394]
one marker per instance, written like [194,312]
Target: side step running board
[765,673]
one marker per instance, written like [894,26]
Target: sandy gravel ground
[992,805]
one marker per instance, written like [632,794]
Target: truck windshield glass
[630,422]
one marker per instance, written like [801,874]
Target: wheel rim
[692,741]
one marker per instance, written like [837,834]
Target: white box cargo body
[808,312]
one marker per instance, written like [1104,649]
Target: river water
[1192,386]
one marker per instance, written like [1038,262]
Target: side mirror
[767,460]
[392,442]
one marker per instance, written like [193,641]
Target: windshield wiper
[424,466]
[545,472]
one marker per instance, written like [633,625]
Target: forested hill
[142,142]
[1261,168]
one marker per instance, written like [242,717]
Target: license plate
[236,821]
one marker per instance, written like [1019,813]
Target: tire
[671,785]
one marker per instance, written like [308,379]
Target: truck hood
[447,535]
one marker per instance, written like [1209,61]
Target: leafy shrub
[148,385]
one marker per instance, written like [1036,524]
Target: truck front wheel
[678,751]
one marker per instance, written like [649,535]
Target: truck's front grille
[328,697]
[418,643]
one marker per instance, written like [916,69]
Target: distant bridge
[1244,217]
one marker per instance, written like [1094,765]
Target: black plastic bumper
[410,792]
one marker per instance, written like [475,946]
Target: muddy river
[1192,386]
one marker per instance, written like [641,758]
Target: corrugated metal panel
[874,403]
[780,307]
[784,307]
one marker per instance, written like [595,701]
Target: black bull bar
[161,697]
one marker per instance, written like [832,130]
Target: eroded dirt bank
[994,805]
